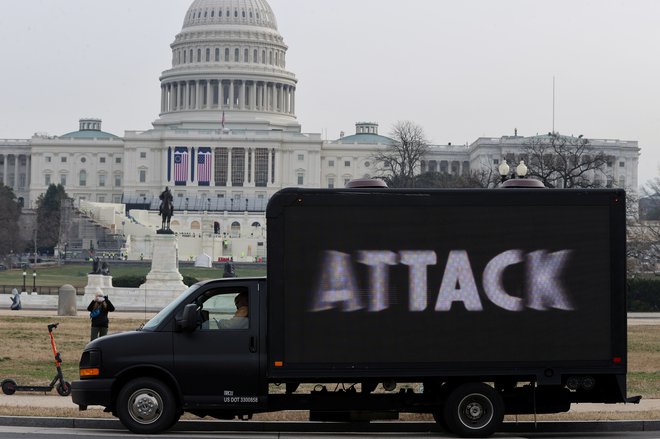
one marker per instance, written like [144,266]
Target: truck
[466,304]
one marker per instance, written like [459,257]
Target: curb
[321,427]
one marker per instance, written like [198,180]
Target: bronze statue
[96,266]
[166,210]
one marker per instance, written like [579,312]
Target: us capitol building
[227,136]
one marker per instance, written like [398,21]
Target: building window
[261,167]
[102,159]
[255,56]
[63,159]
[143,176]
[301,157]
[347,163]
[48,159]
[47,180]
[83,160]
[331,183]
[622,164]
[208,55]
[246,55]
[63,179]
[143,155]
[83,178]
[238,167]
[217,55]
[227,55]
[236,54]
[301,179]
[220,161]
[331,163]
[118,160]
[367,164]
[496,162]
[346,180]
[102,179]
[101,199]
[117,180]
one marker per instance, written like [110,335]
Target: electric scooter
[9,386]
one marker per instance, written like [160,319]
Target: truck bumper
[92,392]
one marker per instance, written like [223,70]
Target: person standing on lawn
[98,312]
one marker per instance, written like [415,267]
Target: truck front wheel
[474,410]
[146,406]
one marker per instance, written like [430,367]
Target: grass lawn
[76,275]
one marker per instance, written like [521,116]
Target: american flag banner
[204,166]
[180,166]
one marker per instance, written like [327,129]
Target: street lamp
[34,282]
[519,172]
[24,275]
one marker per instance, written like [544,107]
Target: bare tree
[401,160]
[475,179]
[564,161]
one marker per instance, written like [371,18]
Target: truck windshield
[158,318]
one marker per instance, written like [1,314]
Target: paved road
[64,433]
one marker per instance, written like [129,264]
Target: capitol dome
[239,12]
[229,67]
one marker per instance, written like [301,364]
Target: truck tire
[474,410]
[147,406]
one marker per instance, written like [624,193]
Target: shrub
[128,281]
[189,280]
[643,295]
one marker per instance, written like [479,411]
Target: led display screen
[436,284]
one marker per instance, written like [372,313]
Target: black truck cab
[209,358]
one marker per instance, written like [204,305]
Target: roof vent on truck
[366,183]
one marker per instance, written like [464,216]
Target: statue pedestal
[164,274]
[95,281]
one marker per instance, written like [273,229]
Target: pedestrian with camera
[98,313]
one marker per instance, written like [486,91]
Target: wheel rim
[145,406]
[475,411]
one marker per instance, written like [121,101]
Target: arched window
[236,55]
[235,229]
[174,223]
[217,54]
[246,55]
[199,55]
[195,225]
[255,57]
[226,54]
[83,178]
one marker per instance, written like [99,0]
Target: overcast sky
[461,69]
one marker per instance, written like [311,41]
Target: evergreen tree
[48,215]
[10,213]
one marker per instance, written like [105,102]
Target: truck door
[217,365]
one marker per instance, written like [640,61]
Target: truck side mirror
[188,320]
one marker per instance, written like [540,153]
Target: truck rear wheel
[474,410]
[146,406]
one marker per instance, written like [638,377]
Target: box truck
[464,304]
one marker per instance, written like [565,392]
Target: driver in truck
[240,318]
